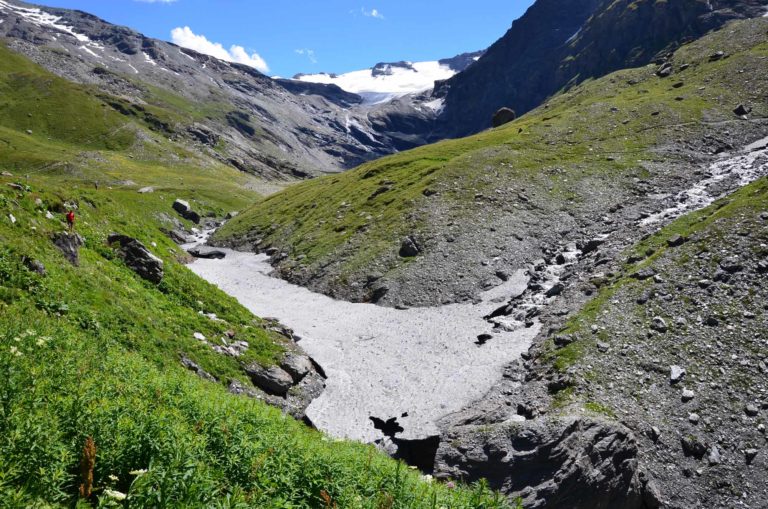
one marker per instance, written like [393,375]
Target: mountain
[560,43]
[635,206]
[277,129]
[386,81]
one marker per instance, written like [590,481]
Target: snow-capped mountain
[386,81]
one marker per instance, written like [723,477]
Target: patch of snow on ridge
[378,89]
[41,18]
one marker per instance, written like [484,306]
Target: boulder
[185,211]
[409,248]
[503,116]
[34,265]
[145,190]
[274,380]
[296,365]
[742,110]
[207,252]
[138,258]
[69,244]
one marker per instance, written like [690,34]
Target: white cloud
[373,13]
[309,53]
[186,38]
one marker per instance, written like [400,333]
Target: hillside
[599,156]
[114,350]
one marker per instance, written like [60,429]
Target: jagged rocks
[574,463]
[274,380]
[69,244]
[185,211]
[296,365]
[138,258]
[503,116]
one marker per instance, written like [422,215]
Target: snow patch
[134,69]
[42,18]
[88,50]
[417,365]
[148,59]
[378,89]
[573,37]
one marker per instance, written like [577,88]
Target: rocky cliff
[559,43]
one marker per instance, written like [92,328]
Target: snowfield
[379,89]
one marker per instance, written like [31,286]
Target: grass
[598,134]
[93,351]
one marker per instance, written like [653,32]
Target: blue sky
[318,35]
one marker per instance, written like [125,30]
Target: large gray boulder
[69,244]
[577,463]
[138,258]
[185,211]
[207,252]
[503,116]
[273,379]
[296,365]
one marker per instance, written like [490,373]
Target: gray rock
[676,240]
[409,248]
[751,410]
[665,70]
[503,116]
[69,244]
[731,265]
[694,418]
[603,347]
[750,455]
[693,446]
[659,324]
[655,434]
[195,368]
[138,258]
[296,365]
[676,374]
[34,265]
[714,456]
[185,211]
[742,110]
[146,190]
[643,274]
[273,380]
[687,395]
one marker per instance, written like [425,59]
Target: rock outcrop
[69,244]
[185,210]
[138,258]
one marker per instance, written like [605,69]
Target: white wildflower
[138,472]
[15,351]
[115,494]
[113,478]
[427,478]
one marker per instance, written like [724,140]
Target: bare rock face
[69,244]
[138,258]
[576,463]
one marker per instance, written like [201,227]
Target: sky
[283,38]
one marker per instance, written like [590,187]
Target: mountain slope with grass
[110,393]
[440,223]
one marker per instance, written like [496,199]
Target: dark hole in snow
[389,428]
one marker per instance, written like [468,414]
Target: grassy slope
[575,137]
[94,350]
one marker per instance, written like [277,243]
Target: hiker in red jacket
[71,220]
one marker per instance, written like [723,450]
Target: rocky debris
[575,463]
[138,258]
[207,252]
[659,324]
[146,190]
[751,410]
[687,395]
[273,380]
[185,211]
[409,248]
[503,116]
[195,368]
[665,70]
[69,244]
[693,446]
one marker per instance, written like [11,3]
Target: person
[71,220]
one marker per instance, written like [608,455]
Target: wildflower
[15,351]
[450,485]
[40,342]
[115,494]
[138,472]
[427,478]
[113,478]
[30,332]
